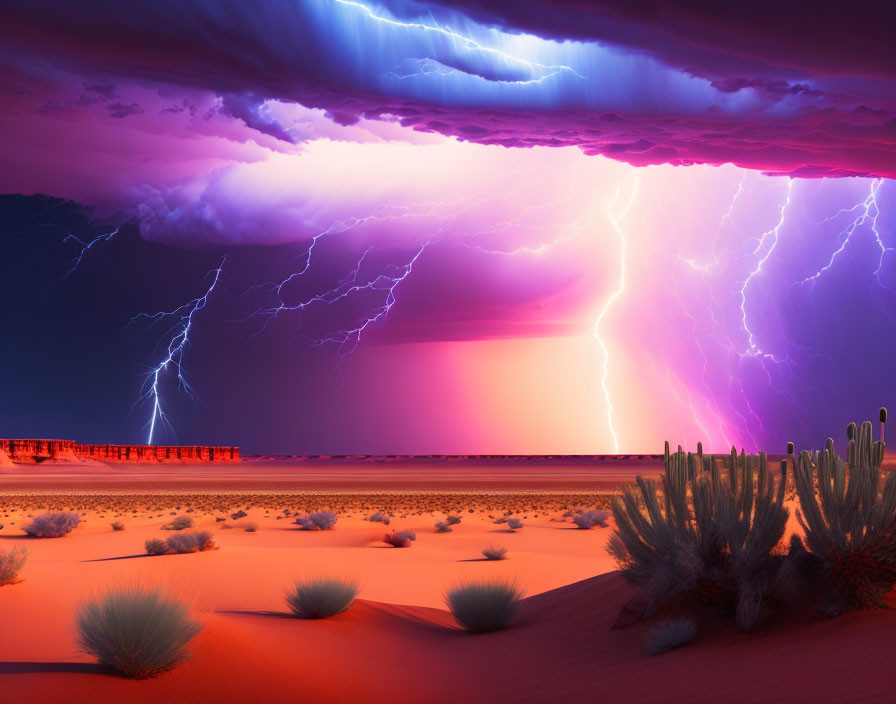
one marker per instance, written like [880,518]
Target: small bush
[379,517]
[179,523]
[443,527]
[588,519]
[11,563]
[249,526]
[494,553]
[321,597]
[401,539]
[52,525]
[452,520]
[484,605]
[135,632]
[118,525]
[156,546]
[322,520]
[514,524]
[193,541]
[669,635]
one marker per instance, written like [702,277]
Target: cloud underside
[800,93]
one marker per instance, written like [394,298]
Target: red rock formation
[34,451]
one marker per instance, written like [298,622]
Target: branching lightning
[178,343]
[430,66]
[868,213]
[764,248]
[615,219]
[86,246]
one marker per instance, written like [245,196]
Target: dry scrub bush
[848,516]
[118,525]
[671,634]
[379,517]
[588,519]
[481,606]
[11,563]
[321,597]
[443,527]
[179,523]
[712,537]
[192,541]
[494,553]
[322,520]
[249,526]
[156,546]
[514,524]
[136,632]
[52,525]
[401,539]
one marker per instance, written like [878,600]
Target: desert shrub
[401,539]
[179,523]
[514,524]
[494,553]
[452,520]
[118,525]
[156,546]
[848,516]
[588,519]
[322,520]
[443,527]
[52,525]
[713,538]
[481,606]
[11,563]
[192,541]
[321,597]
[136,632]
[670,634]
[249,526]
[379,517]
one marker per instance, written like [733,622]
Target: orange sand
[398,644]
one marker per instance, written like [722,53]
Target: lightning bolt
[764,248]
[466,41]
[86,246]
[868,212]
[174,355]
[615,219]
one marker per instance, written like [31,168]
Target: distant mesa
[28,451]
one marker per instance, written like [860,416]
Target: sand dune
[398,644]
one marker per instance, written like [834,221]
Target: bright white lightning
[869,212]
[177,347]
[468,42]
[764,247]
[615,219]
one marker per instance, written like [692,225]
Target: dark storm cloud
[811,86]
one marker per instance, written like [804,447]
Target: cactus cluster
[848,516]
[713,531]
[712,536]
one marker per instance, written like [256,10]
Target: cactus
[851,431]
[883,421]
[790,448]
[848,516]
[711,537]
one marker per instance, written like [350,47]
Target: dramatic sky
[447,226]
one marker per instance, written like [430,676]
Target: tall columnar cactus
[711,537]
[848,516]
[883,422]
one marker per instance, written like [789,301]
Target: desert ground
[398,643]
